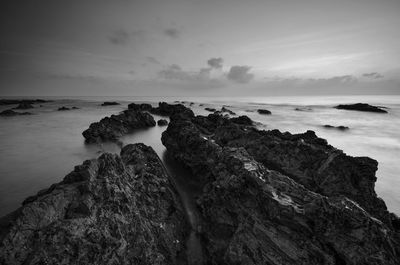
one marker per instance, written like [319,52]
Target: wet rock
[110,103]
[303,109]
[243,120]
[74,107]
[63,108]
[140,107]
[113,127]
[165,109]
[10,113]
[361,107]
[162,122]
[24,105]
[277,198]
[264,111]
[341,127]
[225,110]
[111,210]
[210,109]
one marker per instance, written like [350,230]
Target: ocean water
[39,150]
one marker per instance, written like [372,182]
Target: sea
[39,150]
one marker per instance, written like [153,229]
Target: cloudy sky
[199,47]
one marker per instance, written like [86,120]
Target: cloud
[174,71]
[240,74]
[152,60]
[119,37]
[172,33]
[373,75]
[215,62]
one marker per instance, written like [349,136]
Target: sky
[199,47]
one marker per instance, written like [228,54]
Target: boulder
[140,107]
[110,103]
[341,127]
[361,107]
[264,111]
[115,126]
[165,109]
[162,122]
[111,210]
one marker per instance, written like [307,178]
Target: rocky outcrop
[110,103]
[63,108]
[24,105]
[264,112]
[162,122]
[340,127]
[140,107]
[277,198]
[110,210]
[10,113]
[24,101]
[165,109]
[115,126]
[210,109]
[361,107]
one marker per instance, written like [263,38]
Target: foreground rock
[110,210]
[10,113]
[162,122]
[115,126]
[110,103]
[253,210]
[362,107]
[340,127]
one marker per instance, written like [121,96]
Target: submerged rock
[24,101]
[111,210]
[10,113]
[277,198]
[361,107]
[341,127]
[24,105]
[63,108]
[115,126]
[162,122]
[110,103]
[264,111]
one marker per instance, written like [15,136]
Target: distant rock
[279,198]
[74,107]
[115,126]
[341,127]
[19,101]
[303,109]
[362,107]
[162,122]
[63,108]
[110,103]
[264,111]
[9,113]
[111,210]
[210,109]
[226,110]
[140,107]
[24,105]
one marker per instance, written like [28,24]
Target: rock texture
[362,107]
[110,210]
[277,198]
[111,128]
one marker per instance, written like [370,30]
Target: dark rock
[341,127]
[362,107]
[303,109]
[24,105]
[140,107]
[63,108]
[264,111]
[111,210]
[24,101]
[277,198]
[165,109]
[110,103]
[225,110]
[162,122]
[243,120]
[210,109]
[74,107]
[111,128]
[9,113]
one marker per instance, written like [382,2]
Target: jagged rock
[264,111]
[63,108]
[111,210]
[361,107]
[140,107]
[162,122]
[253,214]
[24,105]
[10,112]
[165,109]
[111,128]
[110,103]
[243,120]
[341,127]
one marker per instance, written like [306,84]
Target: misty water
[40,149]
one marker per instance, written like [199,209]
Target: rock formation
[361,107]
[10,113]
[110,210]
[340,127]
[264,111]
[113,127]
[24,105]
[63,108]
[110,103]
[277,198]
